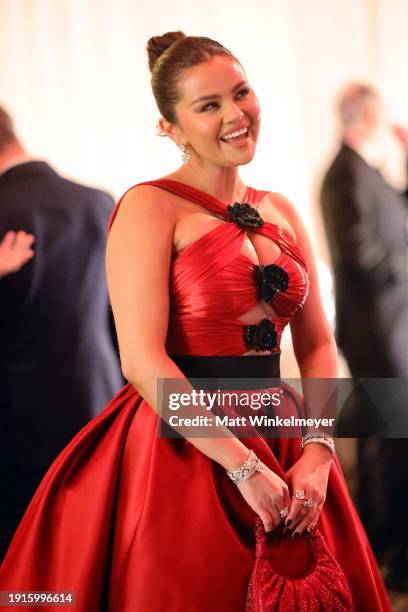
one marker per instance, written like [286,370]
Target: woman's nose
[232,113]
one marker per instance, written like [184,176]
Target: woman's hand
[310,475]
[267,494]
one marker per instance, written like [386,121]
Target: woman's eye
[244,92]
[207,106]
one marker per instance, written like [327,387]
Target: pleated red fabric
[132,522]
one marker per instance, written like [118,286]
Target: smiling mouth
[236,136]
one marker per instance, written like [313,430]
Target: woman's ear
[159,129]
[165,128]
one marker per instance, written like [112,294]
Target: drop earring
[186,156]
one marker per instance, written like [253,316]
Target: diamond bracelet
[244,471]
[320,438]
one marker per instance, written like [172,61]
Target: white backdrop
[74,75]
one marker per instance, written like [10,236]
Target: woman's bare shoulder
[143,195]
[146,203]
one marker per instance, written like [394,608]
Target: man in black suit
[58,364]
[366,225]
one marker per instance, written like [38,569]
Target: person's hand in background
[401,134]
[15,251]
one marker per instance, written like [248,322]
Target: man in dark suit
[366,225]
[58,365]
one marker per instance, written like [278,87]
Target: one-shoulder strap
[252,196]
[189,193]
[185,191]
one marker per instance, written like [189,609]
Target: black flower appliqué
[244,215]
[270,280]
[262,337]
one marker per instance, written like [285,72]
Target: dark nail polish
[288,522]
[295,535]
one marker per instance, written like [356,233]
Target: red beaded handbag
[295,575]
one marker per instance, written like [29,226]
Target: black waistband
[266,367]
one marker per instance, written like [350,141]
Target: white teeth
[234,134]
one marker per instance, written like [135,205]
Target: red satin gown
[133,522]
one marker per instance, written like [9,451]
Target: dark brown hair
[169,55]
[7,133]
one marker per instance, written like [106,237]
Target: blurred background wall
[74,75]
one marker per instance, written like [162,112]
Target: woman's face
[229,105]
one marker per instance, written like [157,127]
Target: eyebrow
[211,97]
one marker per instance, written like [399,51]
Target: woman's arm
[138,259]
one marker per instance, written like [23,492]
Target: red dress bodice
[213,283]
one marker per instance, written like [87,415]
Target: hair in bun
[158,44]
[169,55]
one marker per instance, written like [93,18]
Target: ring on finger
[284,512]
[300,494]
[308,503]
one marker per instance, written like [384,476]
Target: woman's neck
[225,184]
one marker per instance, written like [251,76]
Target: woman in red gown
[132,521]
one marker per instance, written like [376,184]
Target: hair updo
[169,55]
